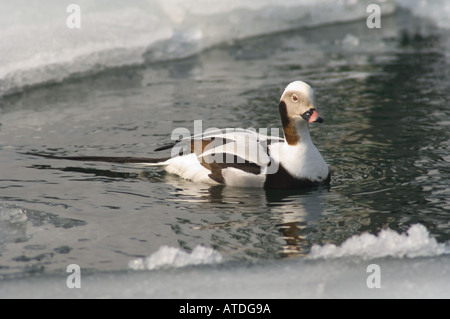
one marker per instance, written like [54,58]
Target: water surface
[384,95]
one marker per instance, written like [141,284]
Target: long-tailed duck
[244,157]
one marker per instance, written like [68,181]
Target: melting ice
[36,46]
[175,257]
[415,243]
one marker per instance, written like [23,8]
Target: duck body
[245,158]
[248,159]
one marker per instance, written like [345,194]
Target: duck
[244,157]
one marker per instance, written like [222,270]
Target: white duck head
[297,108]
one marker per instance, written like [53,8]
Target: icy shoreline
[416,242]
[412,265]
[36,46]
[425,277]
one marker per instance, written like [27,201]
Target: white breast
[302,160]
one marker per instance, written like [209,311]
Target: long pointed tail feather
[107,159]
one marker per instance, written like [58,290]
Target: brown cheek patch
[290,133]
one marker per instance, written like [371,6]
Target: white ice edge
[36,46]
[416,242]
[174,257]
[326,273]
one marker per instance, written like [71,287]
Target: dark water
[384,95]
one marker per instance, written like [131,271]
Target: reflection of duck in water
[293,212]
[246,158]
[273,223]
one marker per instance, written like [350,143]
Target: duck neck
[296,131]
[302,129]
